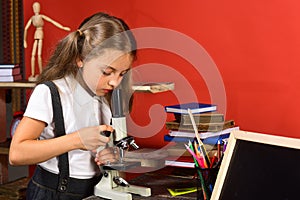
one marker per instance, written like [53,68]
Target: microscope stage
[122,166]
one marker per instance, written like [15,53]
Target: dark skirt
[44,185]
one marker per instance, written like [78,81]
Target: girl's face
[104,73]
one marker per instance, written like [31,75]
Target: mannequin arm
[55,23]
[25,32]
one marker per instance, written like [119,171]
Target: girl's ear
[79,63]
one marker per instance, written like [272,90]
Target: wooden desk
[159,181]
[15,190]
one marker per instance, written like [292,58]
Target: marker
[213,160]
[219,149]
[202,158]
[225,145]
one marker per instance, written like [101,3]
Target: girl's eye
[106,72]
[124,73]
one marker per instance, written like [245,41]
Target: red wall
[246,52]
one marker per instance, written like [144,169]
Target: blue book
[195,108]
[211,140]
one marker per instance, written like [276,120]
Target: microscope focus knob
[125,142]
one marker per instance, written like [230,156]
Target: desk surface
[14,190]
[160,180]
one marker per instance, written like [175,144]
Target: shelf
[19,84]
[153,87]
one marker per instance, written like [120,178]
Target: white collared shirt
[79,110]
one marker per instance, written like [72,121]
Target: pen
[194,156]
[198,155]
[196,149]
[205,155]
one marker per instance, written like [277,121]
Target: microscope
[111,185]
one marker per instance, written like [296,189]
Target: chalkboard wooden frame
[259,166]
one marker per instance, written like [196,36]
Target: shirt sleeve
[40,104]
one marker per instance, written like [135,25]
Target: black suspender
[59,130]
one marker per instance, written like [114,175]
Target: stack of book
[211,125]
[10,72]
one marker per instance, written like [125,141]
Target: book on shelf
[210,140]
[11,78]
[175,163]
[10,71]
[153,87]
[178,149]
[3,66]
[208,117]
[195,107]
[202,135]
[180,161]
[202,127]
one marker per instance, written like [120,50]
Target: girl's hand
[107,156]
[91,138]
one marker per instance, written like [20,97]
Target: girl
[86,66]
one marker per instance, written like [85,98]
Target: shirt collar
[80,94]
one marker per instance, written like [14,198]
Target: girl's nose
[115,81]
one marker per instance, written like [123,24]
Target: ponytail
[63,60]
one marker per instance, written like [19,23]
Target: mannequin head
[36,7]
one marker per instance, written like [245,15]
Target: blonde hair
[95,34]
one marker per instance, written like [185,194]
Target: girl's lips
[106,90]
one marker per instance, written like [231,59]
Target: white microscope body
[111,185]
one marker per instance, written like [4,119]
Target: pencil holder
[206,178]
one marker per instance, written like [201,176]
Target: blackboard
[259,166]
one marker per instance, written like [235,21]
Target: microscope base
[106,188]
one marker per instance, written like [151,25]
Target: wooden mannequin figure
[37,21]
